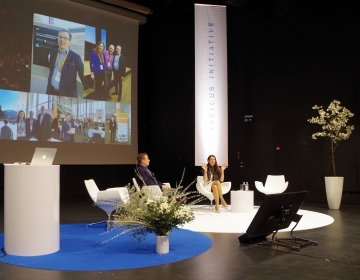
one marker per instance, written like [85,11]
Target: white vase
[162,244]
[334,190]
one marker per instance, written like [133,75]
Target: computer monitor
[270,216]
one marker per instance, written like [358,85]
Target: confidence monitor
[270,216]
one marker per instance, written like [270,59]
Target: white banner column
[211,89]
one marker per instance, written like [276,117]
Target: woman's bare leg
[219,189]
[216,196]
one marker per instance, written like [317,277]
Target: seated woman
[214,175]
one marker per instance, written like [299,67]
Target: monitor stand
[293,243]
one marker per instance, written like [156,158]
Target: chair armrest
[225,186]
[259,186]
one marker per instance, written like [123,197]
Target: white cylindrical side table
[242,201]
[31,204]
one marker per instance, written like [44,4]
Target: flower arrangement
[144,214]
[333,121]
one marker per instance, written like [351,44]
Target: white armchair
[136,184]
[108,200]
[205,189]
[273,184]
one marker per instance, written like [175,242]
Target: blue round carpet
[82,249]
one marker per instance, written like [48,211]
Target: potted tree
[333,122]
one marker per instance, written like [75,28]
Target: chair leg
[96,223]
[211,205]
[108,223]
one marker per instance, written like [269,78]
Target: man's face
[63,41]
[111,49]
[68,118]
[31,113]
[99,114]
[43,109]
[145,161]
[118,50]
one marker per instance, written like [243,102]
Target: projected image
[58,55]
[15,50]
[68,74]
[8,115]
[42,117]
[105,67]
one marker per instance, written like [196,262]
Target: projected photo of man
[64,65]
[43,126]
[108,65]
[119,71]
[68,129]
[6,132]
[30,124]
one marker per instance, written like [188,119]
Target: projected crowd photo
[72,84]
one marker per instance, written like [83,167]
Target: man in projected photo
[112,128]
[64,64]
[6,133]
[119,69]
[108,65]
[99,118]
[30,124]
[68,129]
[147,176]
[43,126]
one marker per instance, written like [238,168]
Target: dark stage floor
[337,255]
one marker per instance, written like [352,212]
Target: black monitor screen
[268,217]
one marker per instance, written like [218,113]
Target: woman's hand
[204,166]
[224,166]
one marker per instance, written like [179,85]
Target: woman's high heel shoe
[217,209]
[225,206]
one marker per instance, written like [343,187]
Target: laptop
[43,156]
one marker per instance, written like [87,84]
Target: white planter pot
[334,190]
[162,244]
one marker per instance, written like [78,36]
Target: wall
[279,67]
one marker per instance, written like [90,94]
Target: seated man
[147,176]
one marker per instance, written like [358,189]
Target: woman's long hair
[18,116]
[216,167]
[96,49]
[100,54]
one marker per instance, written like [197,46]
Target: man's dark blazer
[148,177]
[112,126]
[43,130]
[6,133]
[121,71]
[27,127]
[65,128]
[73,64]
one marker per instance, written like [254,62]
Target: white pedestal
[31,204]
[242,201]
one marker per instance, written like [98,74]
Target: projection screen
[59,88]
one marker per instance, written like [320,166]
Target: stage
[335,257]
[206,220]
